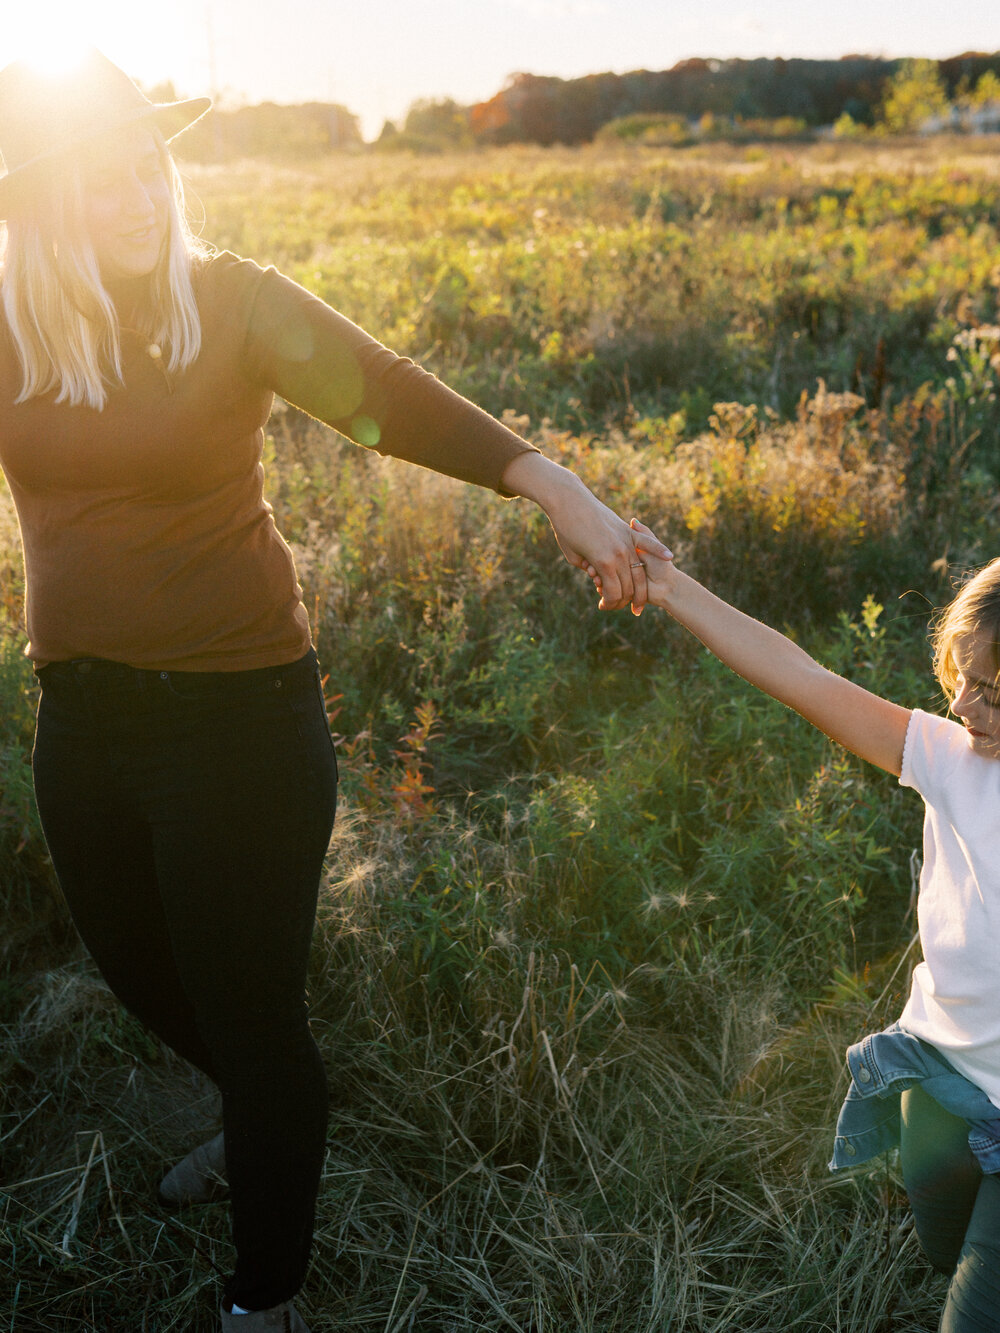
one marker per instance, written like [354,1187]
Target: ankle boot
[283,1318]
[199,1178]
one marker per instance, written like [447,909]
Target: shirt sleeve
[319,361]
[934,749]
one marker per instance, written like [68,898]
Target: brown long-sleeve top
[146,535]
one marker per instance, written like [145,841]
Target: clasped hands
[613,553]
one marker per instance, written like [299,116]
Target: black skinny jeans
[188,815]
[956,1209]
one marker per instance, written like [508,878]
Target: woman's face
[126,201]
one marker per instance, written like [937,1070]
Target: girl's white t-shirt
[955,994]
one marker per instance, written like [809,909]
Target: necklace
[155,353]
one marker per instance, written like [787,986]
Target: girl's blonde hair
[973,613]
[63,322]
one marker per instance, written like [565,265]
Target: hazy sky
[378,56]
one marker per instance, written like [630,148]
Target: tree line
[809,93]
[797,94]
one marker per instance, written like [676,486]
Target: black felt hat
[44,116]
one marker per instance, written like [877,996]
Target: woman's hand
[590,535]
[658,565]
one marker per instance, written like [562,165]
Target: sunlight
[53,38]
[54,56]
[52,47]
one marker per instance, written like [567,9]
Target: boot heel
[199,1178]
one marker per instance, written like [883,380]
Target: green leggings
[956,1209]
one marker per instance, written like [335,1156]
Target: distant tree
[859,110]
[914,94]
[987,90]
[272,131]
[162,92]
[846,127]
[962,72]
[549,110]
[711,126]
[489,120]
[535,101]
[654,128]
[442,121]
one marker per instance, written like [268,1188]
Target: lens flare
[54,53]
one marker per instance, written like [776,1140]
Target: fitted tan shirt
[147,539]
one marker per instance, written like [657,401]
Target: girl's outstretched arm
[868,725]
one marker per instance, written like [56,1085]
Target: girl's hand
[659,567]
[589,534]
[657,562]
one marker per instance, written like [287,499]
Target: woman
[184,770]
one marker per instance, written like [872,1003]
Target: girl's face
[977,694]
[126,202]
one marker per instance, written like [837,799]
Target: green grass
[587,283]
[598,920]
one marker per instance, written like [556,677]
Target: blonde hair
[63,322]
[973,614]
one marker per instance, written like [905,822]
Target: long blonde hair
[973,614]
[63,322]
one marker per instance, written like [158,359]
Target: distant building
[984,119]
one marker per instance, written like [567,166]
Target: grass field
[598,921]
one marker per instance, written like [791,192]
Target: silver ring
[638,565]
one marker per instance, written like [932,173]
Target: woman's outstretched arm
[315,358]
[866,724]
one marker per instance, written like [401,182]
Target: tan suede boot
[283,1318]
[199,1178]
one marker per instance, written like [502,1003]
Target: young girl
[931,1082]
[183,764]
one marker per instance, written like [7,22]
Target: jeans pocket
[309,705]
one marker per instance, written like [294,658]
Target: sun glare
[55,36]
[52,52]
[55,59]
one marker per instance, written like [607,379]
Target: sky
[378,58]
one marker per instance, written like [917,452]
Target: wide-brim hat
[45,116]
